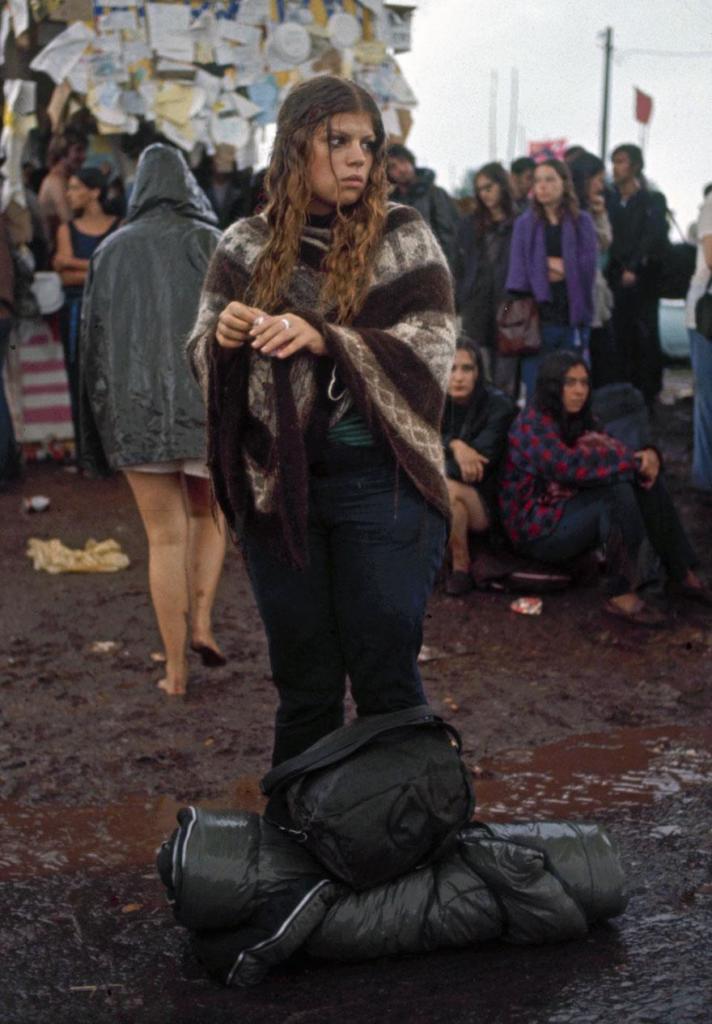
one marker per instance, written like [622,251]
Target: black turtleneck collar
[321,220]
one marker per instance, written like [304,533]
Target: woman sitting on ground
[568,487]
[474,430]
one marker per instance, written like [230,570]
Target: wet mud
[567,714]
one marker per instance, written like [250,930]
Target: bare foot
[203,638]
[205,645]
[693,580]
[174,688]
[629,603]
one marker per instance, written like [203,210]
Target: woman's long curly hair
[549,395]
[356,230]
[569,202]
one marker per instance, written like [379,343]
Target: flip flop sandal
[643,615]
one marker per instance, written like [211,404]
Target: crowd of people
[345,330]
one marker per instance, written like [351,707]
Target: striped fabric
[43,396]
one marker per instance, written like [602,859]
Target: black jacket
[436,207]
[484,426]
[481,268]
[234,201]
[640,235]
[139,402]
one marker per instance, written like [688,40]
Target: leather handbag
[518,331]
[703,313]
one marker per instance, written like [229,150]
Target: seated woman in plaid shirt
[567,487]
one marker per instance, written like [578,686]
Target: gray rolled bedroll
[251,896]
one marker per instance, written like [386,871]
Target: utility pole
[608,54]
[494,88]
[513,114]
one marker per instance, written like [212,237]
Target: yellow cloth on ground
[97,556]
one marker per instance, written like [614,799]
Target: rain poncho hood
[139,403]
[163,178]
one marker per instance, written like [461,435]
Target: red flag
[643,106]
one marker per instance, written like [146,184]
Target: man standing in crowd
[639,224]
[415,186]
[228,189]
[521,177]
[65,155]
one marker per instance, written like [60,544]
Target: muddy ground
[569,714]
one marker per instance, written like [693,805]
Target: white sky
[554,46]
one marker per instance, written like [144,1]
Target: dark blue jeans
[69,324]
[619,515]
[375,546]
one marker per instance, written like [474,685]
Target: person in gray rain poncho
[141,411]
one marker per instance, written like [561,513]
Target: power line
[664,53]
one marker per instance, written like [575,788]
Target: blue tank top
[83,248]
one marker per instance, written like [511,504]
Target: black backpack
[622,410]
[676,269]
[377,798]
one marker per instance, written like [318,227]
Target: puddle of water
[574,778]
[58,840]
[585,774]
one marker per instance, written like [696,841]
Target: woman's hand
[648,467]
[234,324]
[555,267]
[597,205]
[472,464]
[282,336]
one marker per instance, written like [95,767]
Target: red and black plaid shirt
[541,473]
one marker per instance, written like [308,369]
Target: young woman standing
[76,243]
[483,245]
[588,174]
[141,411]
[325,340]
[553,258]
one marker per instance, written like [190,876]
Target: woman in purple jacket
[553,258]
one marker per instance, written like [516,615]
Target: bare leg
[161,502]
[468,514]
[206,552]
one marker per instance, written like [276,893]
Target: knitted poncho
[268,418]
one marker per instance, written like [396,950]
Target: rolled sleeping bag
[438,906]
[581,855]
[529,883]
[252,896]
[247,892]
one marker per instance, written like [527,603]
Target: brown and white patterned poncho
[267,418]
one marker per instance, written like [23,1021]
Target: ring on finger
[285,323]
